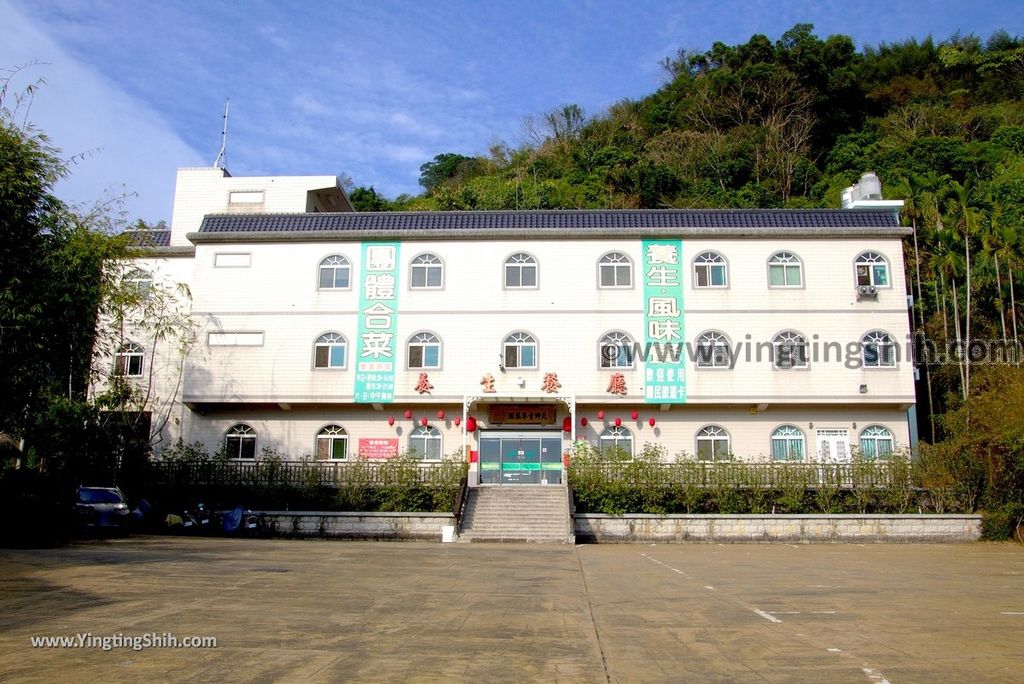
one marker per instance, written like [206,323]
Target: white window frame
[329,435]
[785,260]
[519,340]
[330,341]
[423,340]
[718,341]
[243,434]
[334,263]
[705,262]
[427,435]
[620,351]
[880,433]
[885,349]
[426,264]
[865,265]
[788,435]
[713,435]
[614,436]
[789,339]
[615,263]
[128,354]
[518,263]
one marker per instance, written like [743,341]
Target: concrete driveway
[331,611]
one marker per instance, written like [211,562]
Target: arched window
[128,360]
[713,444]
[785,270]
[240,442]
[709,270]
[616,350]
[618,438]
[424,351]
[787,444]
[332,444]
[615,270]
[330,351]
[425,442]
[520,270]
[427,272]
[872,269]
[879,350]
[520,351]
[138,280]
[713,350]
[790,350]
[876,443]
[335,273]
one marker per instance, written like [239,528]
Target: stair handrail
[571,500]
[461,497]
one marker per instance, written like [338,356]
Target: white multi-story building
[505,335]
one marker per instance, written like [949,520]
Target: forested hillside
[790,123]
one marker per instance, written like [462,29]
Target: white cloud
[132,146]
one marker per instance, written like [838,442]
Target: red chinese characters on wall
[423,385]
[487,383]
[551,384]
[617,384]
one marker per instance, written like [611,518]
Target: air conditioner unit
[867,290]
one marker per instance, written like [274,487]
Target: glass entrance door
[520,458]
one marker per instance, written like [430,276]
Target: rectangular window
[881,274]
[232,260]
[235,339]
[337,356]
[246,197]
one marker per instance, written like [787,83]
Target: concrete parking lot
[391,612]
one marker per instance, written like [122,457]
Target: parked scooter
[241,522]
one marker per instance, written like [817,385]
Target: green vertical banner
[377,356]
[664,336]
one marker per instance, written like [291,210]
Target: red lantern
[440,414]
[567,424]
[391,420]
[651,422]
[618,422]
[408,414]
[600,415]
[635,414]
[457,420]
[471,424]
[583,422]
[423,421]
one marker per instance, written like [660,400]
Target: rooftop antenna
[221,162]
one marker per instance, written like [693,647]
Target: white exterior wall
[567,314]
[206,190]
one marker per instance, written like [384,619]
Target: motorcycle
[241,522]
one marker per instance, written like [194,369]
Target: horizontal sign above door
[521,414]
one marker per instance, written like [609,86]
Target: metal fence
[742,474]
[306,474]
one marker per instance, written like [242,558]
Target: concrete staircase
[522,513]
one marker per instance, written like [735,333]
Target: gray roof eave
[822,233]
[178,251]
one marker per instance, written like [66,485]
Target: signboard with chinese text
[376,348]
[525,414]
[664,337]
[378,448]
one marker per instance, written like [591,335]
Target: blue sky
[372,89]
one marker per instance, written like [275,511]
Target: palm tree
[964,206]
[915,200]
[990,242]
[913,192]
[946,263]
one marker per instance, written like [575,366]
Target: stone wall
[777,528]
[425,526]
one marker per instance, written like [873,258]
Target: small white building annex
[503,336]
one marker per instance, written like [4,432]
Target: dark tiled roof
[570,221]
[148,238]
